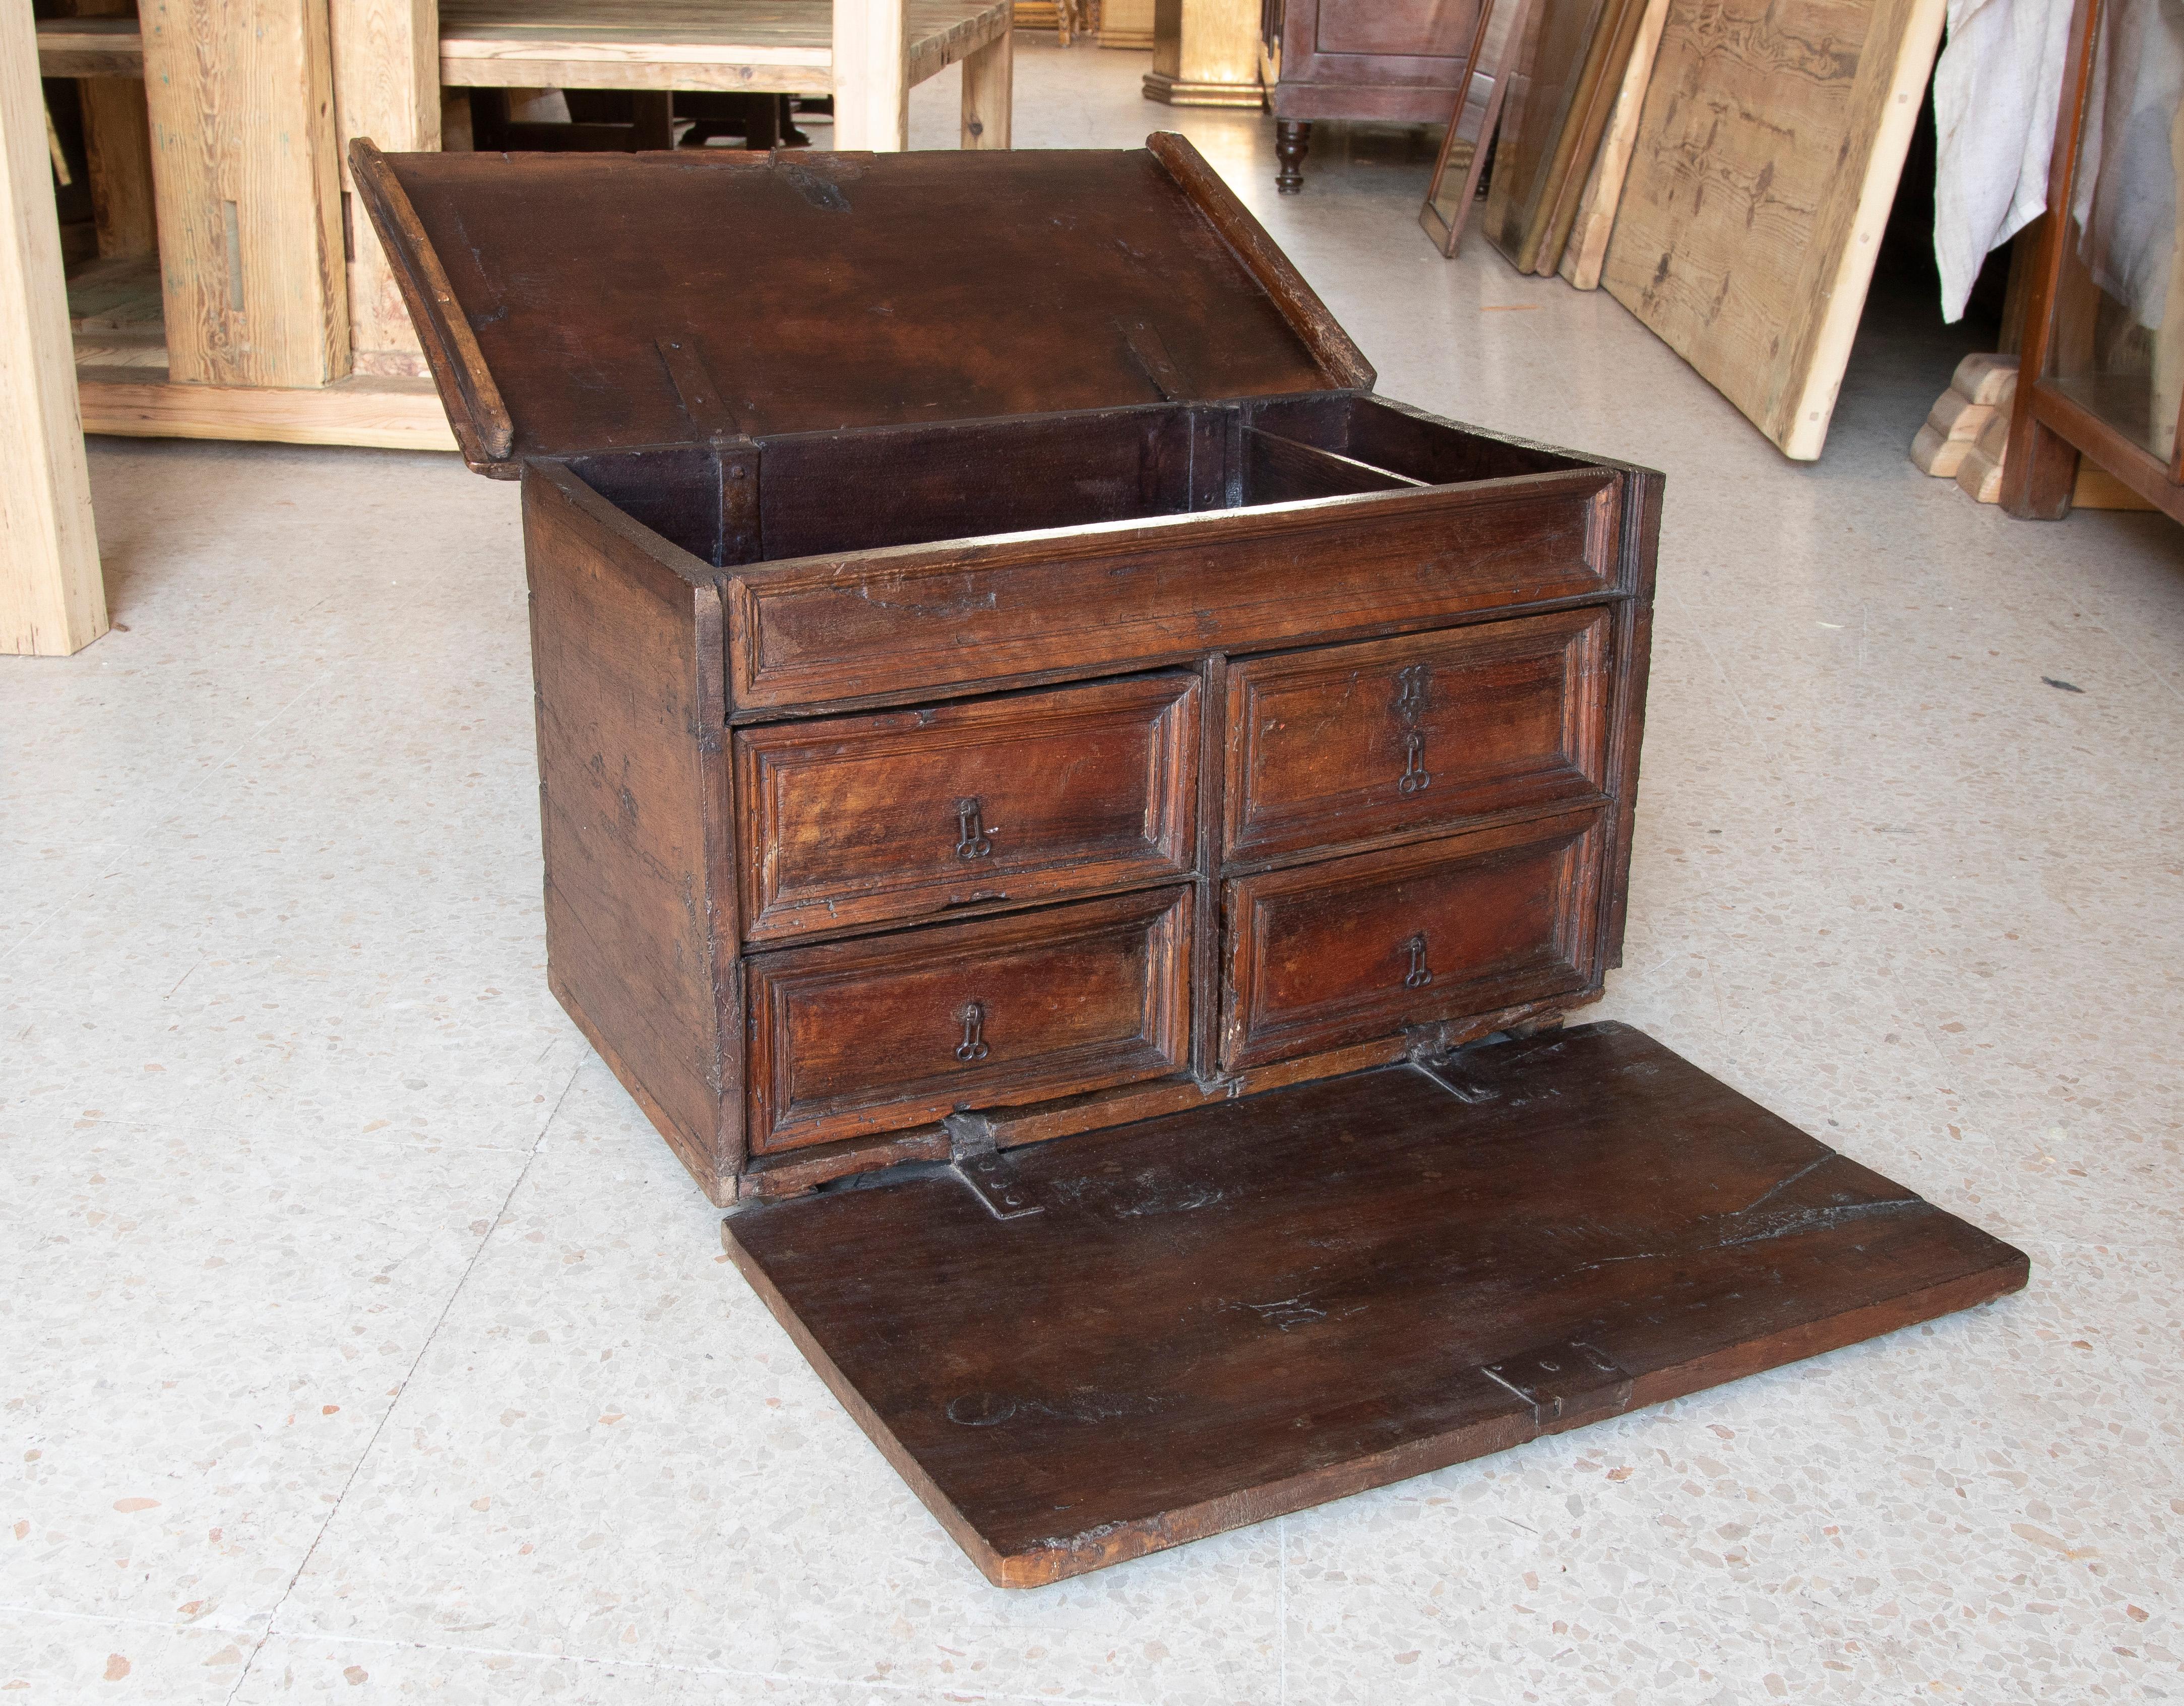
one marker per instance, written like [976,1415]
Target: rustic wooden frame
[2048,430]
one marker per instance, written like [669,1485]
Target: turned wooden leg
[1292,142]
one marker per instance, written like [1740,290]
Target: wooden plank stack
[1967,431]
[1962,430]
[1559,103]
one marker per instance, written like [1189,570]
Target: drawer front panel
[1354,745]
[888,1031]
[1039,796]
[1322,956]
[924,618]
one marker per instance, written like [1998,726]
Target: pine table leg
[872,77]
[988,92]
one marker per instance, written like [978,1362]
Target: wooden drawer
[1039,796]
[1355,745]
[893,1031]
[922,619]
[1321,956]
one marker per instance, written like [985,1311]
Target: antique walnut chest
[1082,823]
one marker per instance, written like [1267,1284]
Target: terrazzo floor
[360,1341]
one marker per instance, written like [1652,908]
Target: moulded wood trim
[1046,726]
[475,408]
[1100,583]
[1564,963]
[1331,347]
[783,1118]
[1575,643]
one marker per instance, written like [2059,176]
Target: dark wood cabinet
[1402,60]
[1081,829]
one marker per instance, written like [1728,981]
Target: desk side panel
[633,806]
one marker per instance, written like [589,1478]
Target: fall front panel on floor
[1204,1321]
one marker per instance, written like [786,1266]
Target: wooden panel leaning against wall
[52,601]
[1759,181]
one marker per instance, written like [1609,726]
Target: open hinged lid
[1085,1350]
[573,303]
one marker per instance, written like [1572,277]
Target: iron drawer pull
[973,1046]
[1420,973]
[972,841]
[1415,777]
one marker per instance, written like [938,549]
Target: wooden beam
[387,86]
[243,157]
[989,93]
[90,48]
[871,83]
[387,414]
[117,138]
[2040,465]
[52,600]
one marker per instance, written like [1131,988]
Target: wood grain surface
[1594,220]
[248,190]
[849,821]
[785,45]
[848,1038]
[1257,1305]
[1321,955]
[757,263]
[387,86]
[1348,747]
[1766,160]
[91,47]
[53,598]
[633,801]
[1160,593]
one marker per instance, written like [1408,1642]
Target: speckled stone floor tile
[613,1452]
[207,1331]
[360,1340]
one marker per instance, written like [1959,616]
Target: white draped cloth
[2125,193]
[1997,87]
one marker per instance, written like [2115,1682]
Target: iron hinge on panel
[979,1163]
[1438,1049]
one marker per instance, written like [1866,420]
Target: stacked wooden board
[1569,72]
[1966,435]
[1962,423]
